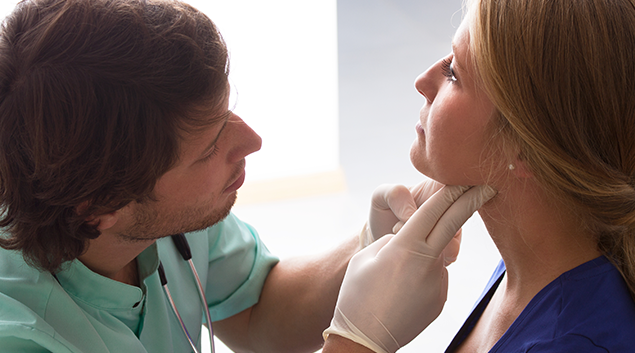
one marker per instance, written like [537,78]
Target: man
[115,133]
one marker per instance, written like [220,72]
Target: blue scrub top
[78,310]
[587,309]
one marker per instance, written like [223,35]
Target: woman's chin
[424,166]
[424,169]
[417,158]
[429,172]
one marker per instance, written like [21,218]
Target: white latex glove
[397,286]
[391,206]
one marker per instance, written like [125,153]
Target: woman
[537,100]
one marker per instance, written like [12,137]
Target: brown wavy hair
[94,96]
[562,75]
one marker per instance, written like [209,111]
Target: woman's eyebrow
[456,66]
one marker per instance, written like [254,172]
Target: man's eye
[211,154]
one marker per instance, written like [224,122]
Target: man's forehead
[202,121]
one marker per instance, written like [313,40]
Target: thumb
[396,199]
[440,217]
[403,205]
[420,193]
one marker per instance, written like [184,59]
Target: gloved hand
[392,206]
[397,286]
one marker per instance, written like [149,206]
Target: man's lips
[236,184]
[238,177]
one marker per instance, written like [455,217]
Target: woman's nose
[427,83]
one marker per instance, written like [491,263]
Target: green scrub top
[78,310]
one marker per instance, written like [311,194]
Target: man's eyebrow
[213,143]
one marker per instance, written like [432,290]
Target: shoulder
[596,290]
[25,295]
[22,285]
[231,260]
[597,305]
[589,306]
[232,228]
[572,343]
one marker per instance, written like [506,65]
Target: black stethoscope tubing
[184,249]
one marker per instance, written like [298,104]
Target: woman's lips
[419,129]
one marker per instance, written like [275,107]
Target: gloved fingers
[371,250]
[457,214]
[397,227]
[380,222]
[396,198]
[390,292]
[423,221]
[420,193]
[390,204]
[424,190]
[451,252]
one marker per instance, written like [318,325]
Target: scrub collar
[102,292]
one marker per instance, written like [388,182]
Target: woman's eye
[446,67]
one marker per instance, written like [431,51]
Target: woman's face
[453,144]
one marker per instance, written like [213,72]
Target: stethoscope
[184,248]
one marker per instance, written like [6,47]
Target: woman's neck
[539,238]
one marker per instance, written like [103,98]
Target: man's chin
[218,216]
[153,228]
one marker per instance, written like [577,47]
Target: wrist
[338,344]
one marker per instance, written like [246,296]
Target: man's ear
[103,221]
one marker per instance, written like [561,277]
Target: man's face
[200,189]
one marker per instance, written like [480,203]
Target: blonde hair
[562,75]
